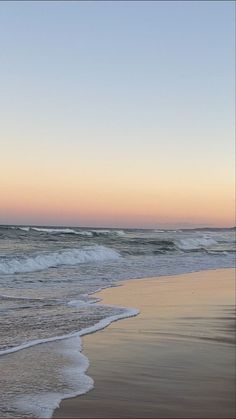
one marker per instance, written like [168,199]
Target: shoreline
[93,329]
[195,323]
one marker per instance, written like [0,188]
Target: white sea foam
[62,231]
[53,230]
[82,232]
[91,329]
[39,405]
[195,243]
[42,405]
[99,232]
[65,257]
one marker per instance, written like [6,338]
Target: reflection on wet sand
[175,360]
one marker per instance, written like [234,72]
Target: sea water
[47,279]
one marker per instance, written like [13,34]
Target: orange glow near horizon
[64,199]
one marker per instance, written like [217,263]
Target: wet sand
[176,359]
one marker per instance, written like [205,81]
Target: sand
[176,359]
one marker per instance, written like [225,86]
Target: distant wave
[87,233]
[21,228]
[119,233]
[65,257]
[195,243]
[56,231]
[185,244]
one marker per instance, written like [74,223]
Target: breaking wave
[65,257]
[79,232]
[119,233]
[195,243]
[56,231]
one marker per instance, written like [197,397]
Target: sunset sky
[117,113]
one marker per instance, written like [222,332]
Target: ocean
[48,276]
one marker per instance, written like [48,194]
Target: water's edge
[42,407]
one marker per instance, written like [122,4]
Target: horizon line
[115,228]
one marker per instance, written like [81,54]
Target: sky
[117,113]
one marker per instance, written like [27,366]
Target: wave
[21,228]
[119,233]
[43,404]
[65,257]
[127,312]
[54,230]
[57,231]
[87,233]
[195,243]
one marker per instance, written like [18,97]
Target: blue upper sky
[93,82]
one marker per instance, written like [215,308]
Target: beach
[117,213]
[60,284]
[176,359]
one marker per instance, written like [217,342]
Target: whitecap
[52,259]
